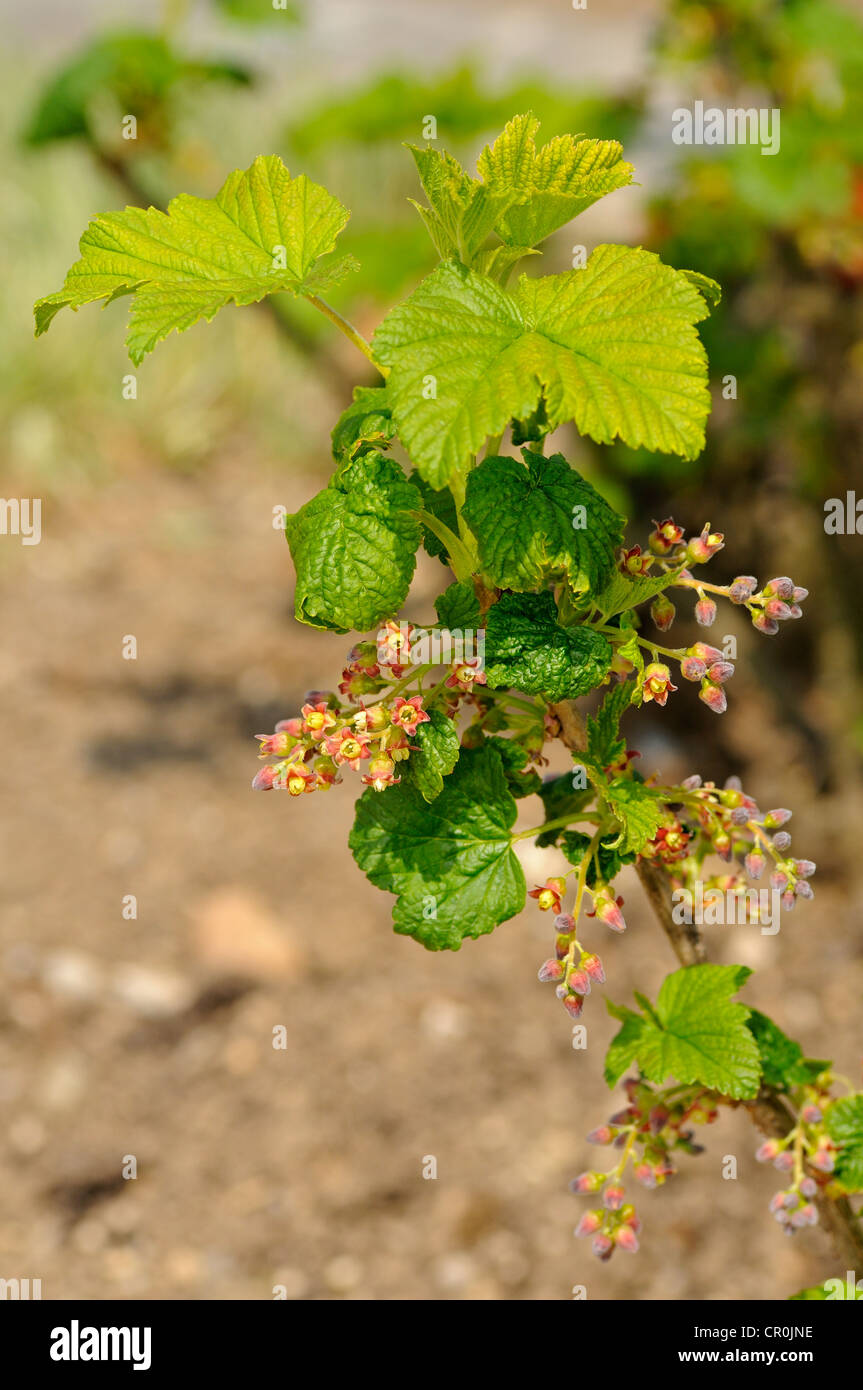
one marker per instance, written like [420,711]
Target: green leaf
[844,1123]
[521,779]
[560,798]
[462,212]
[522,516]
[543,190]
[366,424]
[612,346]
[527,649]
[434,753]
[624,591]
[264,232]
[696,1034]
[637,809]
[354,546]
[136,73]
[782,1060]
[604,743]
[262,11]
[458,607]
[605,863]
[450,862]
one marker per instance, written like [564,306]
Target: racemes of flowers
[543,605]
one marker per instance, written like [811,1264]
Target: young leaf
[782,1060]
[366,424]
[637,810]
[521,780]
[458,607]
[695,1034]
[263,232]
[354,546]
[624,591]
[612,346]
[450,862]
[524,519]
[526,648]
[845,1126]
[605,863]
[434,753]
[543,190]
[604,743]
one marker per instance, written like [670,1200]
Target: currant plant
[546,605]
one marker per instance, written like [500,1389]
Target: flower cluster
[725,821]
[806,1153]
[652,1126]
[573,969]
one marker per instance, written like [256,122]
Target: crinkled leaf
[434,754]
[612,346]
[450,862]
[186,264]
[522,516]
[366,424]
[635,807]
[844,1123]
[521,779]
[527,649]
[458,607]
[354,546]
[782,1060]
[544,189]
[604,743]
[694,1034]
[441,505]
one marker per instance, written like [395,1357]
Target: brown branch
[768,1111]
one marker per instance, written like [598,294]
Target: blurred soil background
[152,1036]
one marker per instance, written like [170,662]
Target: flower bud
[289,726]
[589,1181]
[782,841]
[774,819]
[705,612]
[804,868]
[691,784]
[550,970]
[589,1223]
[720,672]
[692,669]
[768,1151]
[784,1161]
[602,1247]
[742,588]
[663,612]
[768,626]
[612,1197]
[788,900]
[593,965]
[626,1238]
[263,780]
[808,1187]
[811,1114]
[782,587]
[579,981]
[573,1003]
[607,909]
[713,696]
[798,594]
[754,862]
[804,890]
[603,1134]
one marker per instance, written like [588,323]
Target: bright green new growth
[263,233]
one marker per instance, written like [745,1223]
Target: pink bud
[564,923]
[644,1174]
[692,783]
[263,780]
[587,1182]
[720,672]
[782,587]
[768,626]
[808,1186]
[804,868]
[754,863]
[594,967]
[824,1161]
[579,981]
[612,1197]
[627,1239]
[589,1223]
[778,880]
[768,1151]
[811,1114]
[774,819]
[573,1003]
[714,697]
[782,841]
[290,726]
[602,1247]
[804,890]
[799,594]
[663,612]
[742,588]
[776,608]
[704,652]
[784,1161]
[550,970]
[603,1134]
[705,612]
[788,900]
[692,669]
